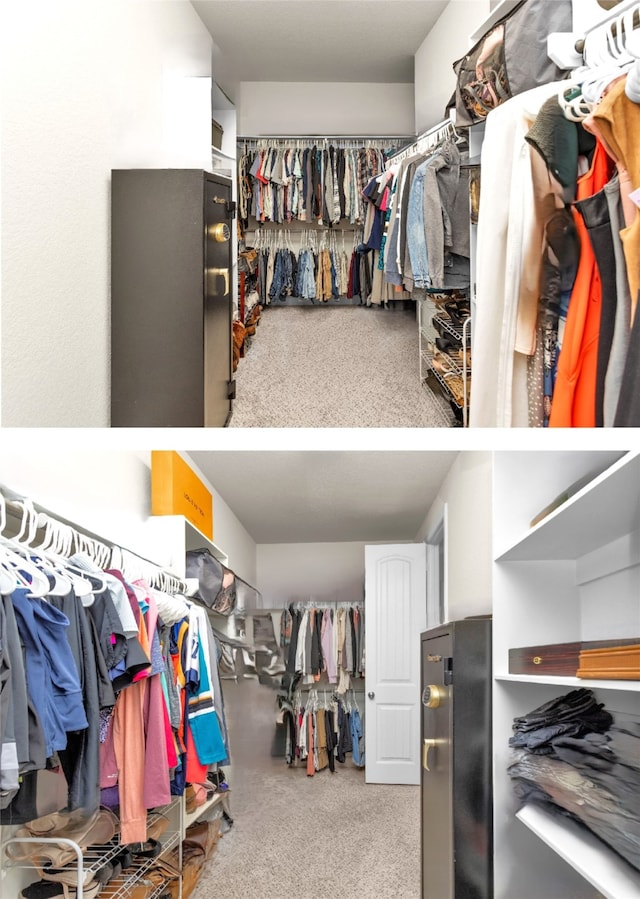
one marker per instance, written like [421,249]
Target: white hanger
[25,572]
[85,583]
[53,551]
[7,578]
[14,548]
[7,581]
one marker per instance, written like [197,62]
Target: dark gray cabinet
[171,298]
[456,783]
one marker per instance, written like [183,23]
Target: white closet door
[395,616]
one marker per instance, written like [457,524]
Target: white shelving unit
[573,576]
[15,875]
[174,535]
[608,873]
[204,810]
[571,683]
[457,369]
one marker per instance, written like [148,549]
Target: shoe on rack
[69,874]
[457,313]
[46,889]
[440,326]
[443,364]
[447,344]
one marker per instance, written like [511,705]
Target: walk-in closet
[387,214]
[321,672]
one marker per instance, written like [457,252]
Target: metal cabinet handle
[221,272]
[426,746]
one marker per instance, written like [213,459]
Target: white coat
[509,254]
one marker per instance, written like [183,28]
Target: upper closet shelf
[494,16]
[191,817]
[175,535]
[601,866]
[629,686]
[195,539]
[606,509]
[217,152]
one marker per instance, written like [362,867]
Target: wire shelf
[453,375]
[88,862]
[123,885]
[445,383]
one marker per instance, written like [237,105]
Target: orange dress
[574,395]
[618,119]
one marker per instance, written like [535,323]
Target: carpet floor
[335,367]
[307,837]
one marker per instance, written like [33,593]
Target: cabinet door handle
[426,746]
[223,273]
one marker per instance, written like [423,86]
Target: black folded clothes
[570,756]
[560,786]
[578,705]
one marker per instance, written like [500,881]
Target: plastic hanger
[8,578]
[27,573]
[7,581]
[61,585]
[52,554]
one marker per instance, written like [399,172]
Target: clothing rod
[446,123]
[326,137]
[614,13]
[14,499]
[324,603]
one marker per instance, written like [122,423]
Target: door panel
[437,814]
[217,305]
[395,614]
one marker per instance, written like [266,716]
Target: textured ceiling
[323,497]
[317,40]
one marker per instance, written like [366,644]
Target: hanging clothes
[279,183]
[81,757]
[509,253]
[51,674]
[122,724]
[320,732]
[574,396]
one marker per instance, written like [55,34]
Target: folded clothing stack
[571,756]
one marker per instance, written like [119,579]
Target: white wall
[106,492]
[302,571]
[324,109]
[230,534]
[447,41]
[109,493]
[467,491]
[86,87]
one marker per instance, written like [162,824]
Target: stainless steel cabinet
[456,761]
[171,298]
